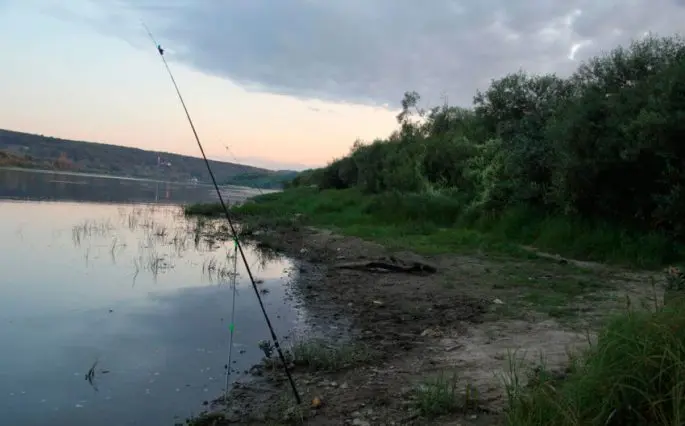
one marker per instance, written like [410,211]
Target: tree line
[38,151]
[607,142]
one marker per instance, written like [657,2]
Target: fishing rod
[277,346]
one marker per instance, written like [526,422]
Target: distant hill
[38,151]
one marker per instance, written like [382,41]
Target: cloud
[370,52]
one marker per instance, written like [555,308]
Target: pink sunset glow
[66,81]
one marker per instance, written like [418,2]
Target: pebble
[360,422]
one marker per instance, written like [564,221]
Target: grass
[442,395]
[438,224]
[318,355]
[633,375]
[560,291]
[203,209]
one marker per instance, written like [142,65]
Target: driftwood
[384,266]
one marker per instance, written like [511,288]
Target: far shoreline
[130,178]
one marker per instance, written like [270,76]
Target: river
[108,276]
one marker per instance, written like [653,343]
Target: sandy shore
[404,321]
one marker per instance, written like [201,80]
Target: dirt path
[468,323]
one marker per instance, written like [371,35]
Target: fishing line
[232,323]
[238,162]
[277,346]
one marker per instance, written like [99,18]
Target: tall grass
[633,375]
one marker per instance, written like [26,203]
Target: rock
[344,386]
[316,402]
[498,302]
[360,422]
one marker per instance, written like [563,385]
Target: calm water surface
[135,289]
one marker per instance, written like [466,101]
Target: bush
[602,144]
[633,375]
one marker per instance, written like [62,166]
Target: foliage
[265,179]
[603,144]
[439,223]
[633,375]
[8,159]
[37,151]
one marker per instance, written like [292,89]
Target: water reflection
[64,186]
[137,296]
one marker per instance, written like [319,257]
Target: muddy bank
[411,318]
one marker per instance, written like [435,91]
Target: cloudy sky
[282,82]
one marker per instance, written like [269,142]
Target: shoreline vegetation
[549,211]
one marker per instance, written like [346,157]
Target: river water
[108,276]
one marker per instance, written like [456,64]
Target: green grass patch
[580,239]
[438,224]
[203,209]
[316,354]
[444,394]
[319,355]
[562,291]
[633,375]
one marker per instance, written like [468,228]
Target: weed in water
[220,272]
[180,242]
[159,231]
[89,228]
[267,348]
[197,230]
